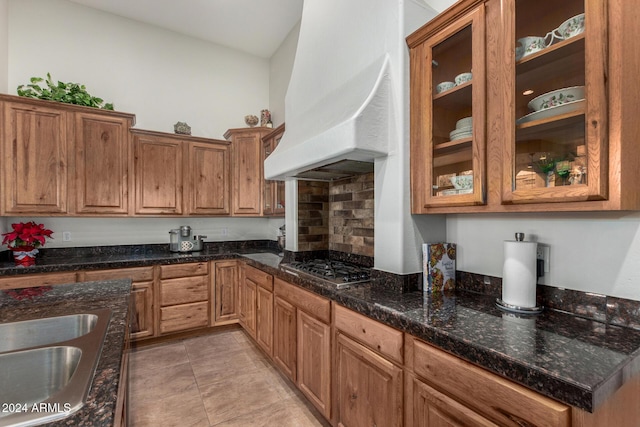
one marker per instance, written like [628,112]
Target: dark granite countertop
[577,361]
[99,408]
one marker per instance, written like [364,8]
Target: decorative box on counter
[439,267]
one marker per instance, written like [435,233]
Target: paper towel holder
[514,308]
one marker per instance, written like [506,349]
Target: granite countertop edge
[564,389]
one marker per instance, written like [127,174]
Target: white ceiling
[257,27]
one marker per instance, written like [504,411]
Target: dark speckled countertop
[99,408]
[577,361]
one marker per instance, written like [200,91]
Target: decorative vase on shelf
[24,255]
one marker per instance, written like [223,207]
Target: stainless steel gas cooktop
[338,273]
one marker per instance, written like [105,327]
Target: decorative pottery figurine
[182,128]
[265,118]
[251,120]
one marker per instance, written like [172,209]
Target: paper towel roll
[519,273]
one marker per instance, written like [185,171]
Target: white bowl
[462,182]
[557,97]
[463,78]
[464,132]
[572,26]
[465,122]
[444,86]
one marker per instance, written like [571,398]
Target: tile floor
[221,379]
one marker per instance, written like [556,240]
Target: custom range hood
[338,105]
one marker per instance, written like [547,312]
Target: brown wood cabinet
[368,385]
[61,159]
[285,341]
[256,306]
[34,280]
[183,297]
[302,341]
[102,164]
[142,293]
[573,156]
[225,301]
[178,174]
[247,170]
[273,196]
[450,387]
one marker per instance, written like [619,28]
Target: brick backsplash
[351,211]
[337,216]
[313,215]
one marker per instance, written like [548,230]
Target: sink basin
[55,379]
[47,331]
[32,376]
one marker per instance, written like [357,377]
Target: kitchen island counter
[99,409]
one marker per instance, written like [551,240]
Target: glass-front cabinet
[558,150]
[522,105]
[451,68]
[273,196]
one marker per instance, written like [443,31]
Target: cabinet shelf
[449,146]
[564,127]
[458,97]
[458,156]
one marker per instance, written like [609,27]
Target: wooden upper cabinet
[559,153]
[573,153]
[247,170]
[209,178]
[102,157]
[448,126]
[35,146]
[158,174]
[273,194]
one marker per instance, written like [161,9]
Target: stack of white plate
[464,129]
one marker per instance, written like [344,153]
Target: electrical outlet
[543,253]
[224,231]
[66,236]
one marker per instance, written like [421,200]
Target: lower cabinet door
[142,293]
[369,387]
[184,316]
[284,337]
[226,292]
[434,409]
[264,319]
[314,361]
[247,307]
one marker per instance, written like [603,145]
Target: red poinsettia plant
[26,236]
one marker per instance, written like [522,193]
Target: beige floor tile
[222,379]
[159,383]
[237,396]
[285,413]
[183,409]
[161,356]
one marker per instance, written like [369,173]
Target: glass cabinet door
[558,150]
[454,126]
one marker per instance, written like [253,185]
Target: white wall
[160,76]
[4,46]
[280,66]
[129,231]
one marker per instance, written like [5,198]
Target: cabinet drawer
[506,402]
[185,316]
[184,270]
[259,277]
[141,274]
[184,290]
[381,338]
[32,280]
[308,302]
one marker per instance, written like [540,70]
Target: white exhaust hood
[350,123]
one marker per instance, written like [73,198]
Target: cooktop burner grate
[339,273]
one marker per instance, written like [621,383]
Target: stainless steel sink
[47,375]
[47,331]
[33,376]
